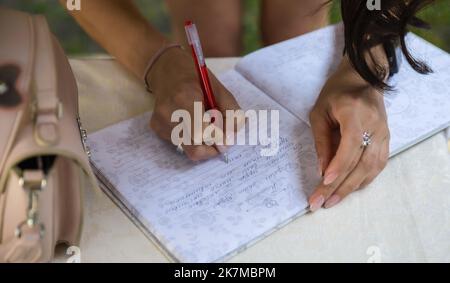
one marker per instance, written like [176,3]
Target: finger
[351,184]
[226,101]
[191,100]
[322,133]
[204,142]
[382,162]
[193,152]
[212,122]
[158,121]
[349,150]
[367,168]
[214,135]
[200,152]
[323,192]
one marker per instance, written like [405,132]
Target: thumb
[322,132]
[226,101]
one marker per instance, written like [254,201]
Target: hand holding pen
[209,99]
[175,85]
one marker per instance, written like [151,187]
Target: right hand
[175,85]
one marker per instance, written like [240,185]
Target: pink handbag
[43,160]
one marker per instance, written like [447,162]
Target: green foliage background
[75,41]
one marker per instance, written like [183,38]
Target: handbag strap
[24,249]
[47,109]
[16,60]
[26,245]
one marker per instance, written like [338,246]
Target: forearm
[120,29]
[284,19]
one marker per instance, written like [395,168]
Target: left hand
[346,108]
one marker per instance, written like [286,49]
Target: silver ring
[180,149]
[366,140]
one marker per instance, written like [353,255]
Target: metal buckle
[58,112]
[41,139]
[34,187]
[19,230]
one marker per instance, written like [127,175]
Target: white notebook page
[205,212]
[294,72]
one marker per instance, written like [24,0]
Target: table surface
[404,215]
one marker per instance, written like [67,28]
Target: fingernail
[330,178]
[317,203]
[332,201]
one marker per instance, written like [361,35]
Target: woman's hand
[175,85]
[119,28]
[346,108]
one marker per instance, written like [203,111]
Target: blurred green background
[76,42]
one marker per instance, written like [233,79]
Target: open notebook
[207,212]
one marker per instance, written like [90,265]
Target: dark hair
[366,28]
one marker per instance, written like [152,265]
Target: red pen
[194,41]
[202,70]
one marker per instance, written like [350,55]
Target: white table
[403,216]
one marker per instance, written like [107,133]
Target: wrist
[157,64]
[377,62]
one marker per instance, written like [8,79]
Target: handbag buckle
[46,129]
[32,181]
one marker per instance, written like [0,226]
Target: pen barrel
[200,64]
[208,94]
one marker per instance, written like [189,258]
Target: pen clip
[194,41]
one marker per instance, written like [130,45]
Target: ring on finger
[366,139]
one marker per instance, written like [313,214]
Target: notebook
[209,211]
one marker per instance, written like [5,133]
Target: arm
[347,107]
[351,102]
[118,26]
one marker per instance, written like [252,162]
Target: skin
[346,108]
[284,19]
[222,23]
